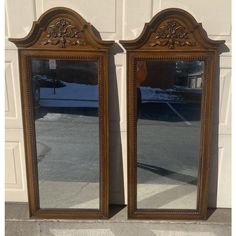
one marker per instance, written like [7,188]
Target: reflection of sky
[71,95]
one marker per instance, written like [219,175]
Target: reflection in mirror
[168,133]
[67,132]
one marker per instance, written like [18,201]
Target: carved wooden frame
[172,34]
[61,33]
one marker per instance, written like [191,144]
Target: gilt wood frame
[61,33]
[172,34]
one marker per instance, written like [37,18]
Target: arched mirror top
[172,29]
[60,28]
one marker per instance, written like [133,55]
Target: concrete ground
[18,223]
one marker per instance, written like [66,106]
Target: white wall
[118,19]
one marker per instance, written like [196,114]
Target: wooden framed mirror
[64,80]
[171,68]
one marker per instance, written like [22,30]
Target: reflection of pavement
[69,194]
[180,196]
[68,159]
[168,138]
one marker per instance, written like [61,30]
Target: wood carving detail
[172,34]
[63,34]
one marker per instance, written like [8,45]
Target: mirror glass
[67,132]
[168,133]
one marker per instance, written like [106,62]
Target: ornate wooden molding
[172,34]
[63,33]
[60,28]
[172,29]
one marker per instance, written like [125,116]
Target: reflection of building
[191,80]
[170,80]
[170,74]
[194,80]
[160,74]
[189,74]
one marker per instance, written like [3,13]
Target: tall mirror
[63,68]
[171,71]
[169,95]
[67,132]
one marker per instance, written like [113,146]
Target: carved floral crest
[63,33]
[172,34]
